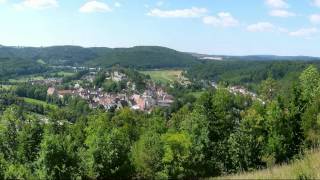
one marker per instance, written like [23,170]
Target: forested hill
[16,66]
[139,57]
[145,56]
[255,57]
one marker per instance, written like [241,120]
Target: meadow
[164,76]
[38,102]
[304,168]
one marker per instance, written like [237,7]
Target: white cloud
[265,27]
[178,13]
[281,13]
[304,32]
[223,19]
[3,1]
[117,4]
[261,27]
[36,4]
[277,4]
[95,6]
[316,3]
[315,18]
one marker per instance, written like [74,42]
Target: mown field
[306,168]
[163,76]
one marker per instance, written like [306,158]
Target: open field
[25,79]
[64,73]
[306,168]
[40,61]
[6,87]
[38,102]
[163,76]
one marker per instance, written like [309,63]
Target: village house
[51,91]
[151,97]
[117,76]
[49,81]
[63,93]
[165,101]
[142,102]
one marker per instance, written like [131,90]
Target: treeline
[133,77]
[250,73]
[220,133]
[8,100]
[32,91]
[75,76]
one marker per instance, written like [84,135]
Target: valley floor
[305,168]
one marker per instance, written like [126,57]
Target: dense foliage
[247,72]
[217,134]
[10,67]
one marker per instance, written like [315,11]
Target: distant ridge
[256,57]
[138,56]
[151,57]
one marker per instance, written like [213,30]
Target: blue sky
[231,27]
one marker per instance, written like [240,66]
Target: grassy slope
[35,101]
[164,76]
[26,78]
[6,87]
[306,168]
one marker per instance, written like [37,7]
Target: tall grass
[307,167]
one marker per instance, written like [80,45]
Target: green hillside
[16,66]
[144,57]
[138,57]
[305,168]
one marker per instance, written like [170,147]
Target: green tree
[9,127]
[268,89]
[3,166]
[177,151]
[311,123]
[107,150]
[247,144]
[100,78]
[197,127]
[18,171]
[57,157]
[29,139]
[146,155]
[282,131]
[309,81]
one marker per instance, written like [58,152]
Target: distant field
[25,79]
[40,61]
[6,87]
[38,102]
[64,73]
[164,76]
[306,168]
